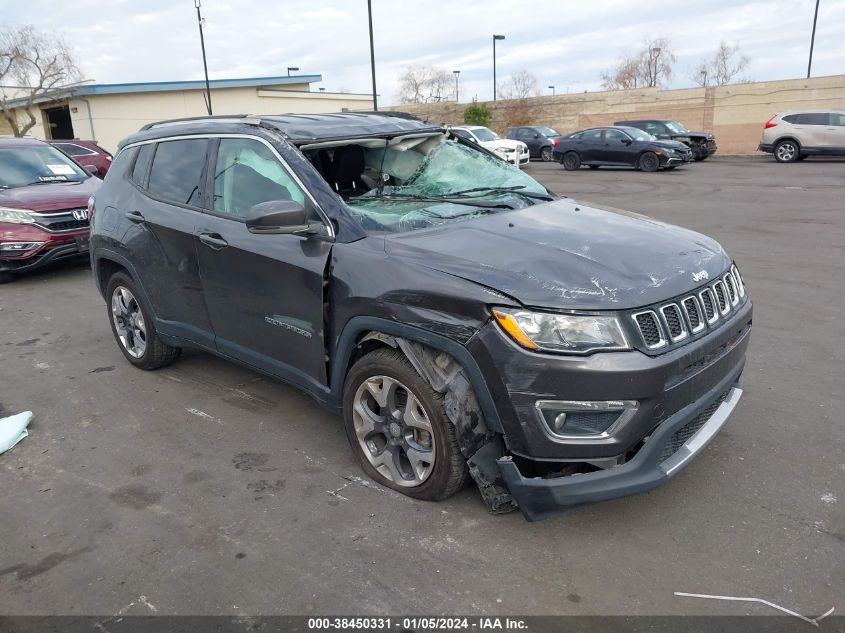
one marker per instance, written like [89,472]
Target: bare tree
[521,84]
[723,68]
[649,68]
[31,65]
[425,84]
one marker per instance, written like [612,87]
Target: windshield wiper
[413,197]
[515,189]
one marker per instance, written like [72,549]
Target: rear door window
[177,171]
[814,118]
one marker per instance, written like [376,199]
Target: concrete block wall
[734,113]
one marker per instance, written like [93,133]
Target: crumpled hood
[566,255]
[671,145]
[50,197]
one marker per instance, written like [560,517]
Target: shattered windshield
[450,182]
[676,127]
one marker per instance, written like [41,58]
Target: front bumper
[49,252]
[540,498]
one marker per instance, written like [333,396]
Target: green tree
[478,114]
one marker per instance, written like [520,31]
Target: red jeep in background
[43,205]
[87,153]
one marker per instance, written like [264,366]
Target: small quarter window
[142,164]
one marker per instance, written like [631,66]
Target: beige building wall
[735,113]
[111,117]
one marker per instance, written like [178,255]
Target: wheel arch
[788,137]
[361,335]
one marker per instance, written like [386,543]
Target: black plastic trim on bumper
[541,498]
[42,259]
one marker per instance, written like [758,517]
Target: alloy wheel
[129,321]
[394,431]
[546,154]
[786,152]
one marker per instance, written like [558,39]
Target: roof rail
[248,119]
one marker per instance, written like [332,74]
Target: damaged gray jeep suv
[466,321]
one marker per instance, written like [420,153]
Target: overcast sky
[563,43]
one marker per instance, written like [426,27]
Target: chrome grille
[650,329]
[682,318]
[674,322]
[63,220]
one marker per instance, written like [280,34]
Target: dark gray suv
[464,320]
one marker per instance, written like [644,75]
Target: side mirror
[536,136]
[626,141]
[280,216]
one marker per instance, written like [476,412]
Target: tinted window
[591,136]
[73,150]
[526,133]
[176,174]
[248,173]
[142,163]
[614,137]
[813,118]
[652,127]
[463,134]
[837,118]
[792,118]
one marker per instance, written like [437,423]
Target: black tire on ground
[593,166]
[6,278]
[670,167]
[571,161]
[546,154]
[648,162]
[156,353]
[449,471]
[787,151]
[701,157]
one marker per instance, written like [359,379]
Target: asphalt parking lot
[209,489]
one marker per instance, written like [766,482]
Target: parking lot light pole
[372,54]
[456,73]
[813,39]
[552,88]
[495,37]
[704,79]
[292,68]
[204,64]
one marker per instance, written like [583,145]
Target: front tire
[648,162]
[571,161]
[133,327]
[546,154]
[398,428]
[787,151]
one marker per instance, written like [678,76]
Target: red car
[86,153]
[43,205]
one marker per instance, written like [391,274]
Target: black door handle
[213,241]
[135,216]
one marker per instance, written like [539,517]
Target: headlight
[15,215]
[572,333]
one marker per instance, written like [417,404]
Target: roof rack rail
[248,119]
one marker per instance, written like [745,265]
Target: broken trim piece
[480,446]
[813,621]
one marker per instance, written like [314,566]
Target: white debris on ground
[13,429]
[813,621]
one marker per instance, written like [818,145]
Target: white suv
[792,136]
[514,152]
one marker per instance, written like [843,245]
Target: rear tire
[133,326]
[546,154]
[787,151]
[405,442]
[648,162]
[571,161]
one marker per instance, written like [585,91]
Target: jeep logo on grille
[700,275]
[80,214]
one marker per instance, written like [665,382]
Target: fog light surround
[584,419]
[13,248]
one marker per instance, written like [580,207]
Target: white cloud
[564,43]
